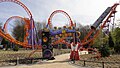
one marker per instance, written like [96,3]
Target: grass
[10,55]
[113,61]
[21,54]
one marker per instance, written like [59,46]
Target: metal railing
[99,64]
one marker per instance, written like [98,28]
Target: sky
[84,12]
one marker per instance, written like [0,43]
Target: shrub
[105,51]
[117,49]
[16,48]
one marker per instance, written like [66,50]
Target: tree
[98,41]
[0,25]
[116,39]
[18,31]
[105,51]
[39,27]
[111,43]
[116,36]
[101,40]
[16,48]
[5,44]
[3,41]
[84,31]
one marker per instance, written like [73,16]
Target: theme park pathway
[59,62]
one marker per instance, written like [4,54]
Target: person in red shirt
[74,54]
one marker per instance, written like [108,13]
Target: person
[74,45]
[74,54]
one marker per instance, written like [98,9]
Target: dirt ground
[57,63]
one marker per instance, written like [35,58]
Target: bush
[117,49]
[111,43]
[16,48]
[105,51]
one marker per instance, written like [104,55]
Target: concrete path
[59,62]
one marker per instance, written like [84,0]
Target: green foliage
[105,51]
[84,30]
[111,43]
[116,39]
[97,40]
[117,49]
[5,44]
[4,41]
[39,27]
[16,48]
[18,31]
[100,40]
[116,36]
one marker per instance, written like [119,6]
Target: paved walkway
[57,63]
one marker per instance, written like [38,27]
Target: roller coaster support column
[32,37]
[32,24]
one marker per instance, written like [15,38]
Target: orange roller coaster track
[15,17]
[113,11]
[9,38]
[6,35]
[27,26]
[19,3]
[86,40]
[59,11]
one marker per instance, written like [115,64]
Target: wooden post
[17,61]
[102,64]
[84,63]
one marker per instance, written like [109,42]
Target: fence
[94,64]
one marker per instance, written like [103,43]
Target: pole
[84,62]
[102,64]
[32,30]
[113,23]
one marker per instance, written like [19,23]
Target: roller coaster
[31,40]
[106,16]
[29,27]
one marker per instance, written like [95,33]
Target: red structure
[29,28]
[106,15]
[59,11]
[103,19]
[110,11]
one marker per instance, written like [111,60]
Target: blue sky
[81,11]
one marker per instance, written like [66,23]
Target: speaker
[47,48]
